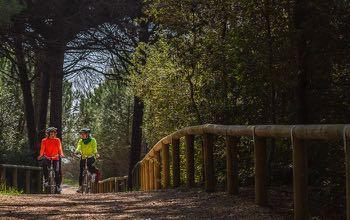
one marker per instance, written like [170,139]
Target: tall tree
[23,74]
[137,120]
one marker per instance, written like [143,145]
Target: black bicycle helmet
[85,130]
[51,129]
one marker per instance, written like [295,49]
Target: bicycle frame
[51,188]
[87,178]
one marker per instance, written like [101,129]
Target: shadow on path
[171,204]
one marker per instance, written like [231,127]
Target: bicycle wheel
[52,184]
[88,184]
[85,183]
[43,187]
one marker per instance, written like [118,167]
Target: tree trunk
[270,60]
[36,89]
[136,137]
[25,84]
[43,88]
[56,58]
[136,133]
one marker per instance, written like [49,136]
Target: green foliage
[223,62]
[12,124]
[8,8]
[236,62]
[107,110]
[162,85]
[9,190]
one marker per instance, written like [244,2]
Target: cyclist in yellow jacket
[87,148]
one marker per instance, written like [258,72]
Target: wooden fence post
[40,181]
[347,168]
[14,177]
[118,188]
[189,142]
[147,175]
[141,176]
[176,162]
[3,175]
[209,163]
[135,176]
[27,182]
[94,187]
[165,166]
[260,168]
[151,173]
[300,178]
[144,176]
[232,164]
[111,185]
[157,174]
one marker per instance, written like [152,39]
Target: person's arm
[60,151]
[78,149]
[94,146]
[42,149]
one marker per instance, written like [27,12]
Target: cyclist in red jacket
[51,149]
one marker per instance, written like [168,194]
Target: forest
[135,71]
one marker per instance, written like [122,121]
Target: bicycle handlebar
[79,156]
[55,156]
[50,158]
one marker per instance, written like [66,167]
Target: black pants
[91,168]
[56,168]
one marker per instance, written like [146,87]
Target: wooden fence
[153,171]
[26,178]
[111,185]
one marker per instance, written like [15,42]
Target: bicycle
[51,187]
[88,178]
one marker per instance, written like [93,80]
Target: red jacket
[51,147]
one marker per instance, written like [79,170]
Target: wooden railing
[27,178]
[111,185]
[153,171]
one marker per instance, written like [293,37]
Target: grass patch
[9,190]
[70,182]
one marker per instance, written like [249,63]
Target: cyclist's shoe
[46,184]
[58,189]
[79,189]
[93,177]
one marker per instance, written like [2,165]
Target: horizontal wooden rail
[111,185]
[29,180]
[307,132]
[147,174]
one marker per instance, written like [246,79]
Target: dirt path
[138,205]
[66,189]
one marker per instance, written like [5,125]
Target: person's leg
[94,170]
[91,166]
[45,169]
[56,167]
[60,171]
[82,162]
